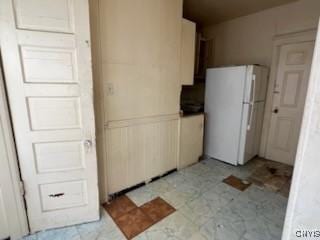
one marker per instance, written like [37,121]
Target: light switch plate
[110,89]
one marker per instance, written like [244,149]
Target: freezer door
[223,107]
[256,84]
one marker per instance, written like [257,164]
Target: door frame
[20,227]
[278,42]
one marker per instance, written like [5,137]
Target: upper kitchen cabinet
[188,43]
[140,53]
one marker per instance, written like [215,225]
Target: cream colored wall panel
[140,57]
[54,113]
[46,15]
[47,65]
[63,195]
[255,33]
[59,156]
[161,144]
[188,45]
[129,95]
[137,48]
[121,18]
[117,159]
[191,140]
[121,90]
[170,142]
[140,152]
[137,155]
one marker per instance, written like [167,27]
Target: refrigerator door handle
[253,97]
[251,116]
[253,93]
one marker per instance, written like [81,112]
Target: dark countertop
[190,114]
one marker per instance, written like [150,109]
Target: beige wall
[248,40]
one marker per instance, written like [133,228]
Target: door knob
[87,143]
[276,110]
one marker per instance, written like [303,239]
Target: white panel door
[288,101]
[46,52]
[13,222]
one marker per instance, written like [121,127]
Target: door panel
[52,109]
[66,195]
[47,65]
[290,94]
[288,101]
[54,113]
[59,156]
[45,15]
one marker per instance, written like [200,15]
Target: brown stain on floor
[274,176]
[133,220]
[268,174]
[237,183]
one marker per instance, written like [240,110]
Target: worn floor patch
[237,183]
[273,176]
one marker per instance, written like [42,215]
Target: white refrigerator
[234,107]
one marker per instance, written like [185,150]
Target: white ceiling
[208,12]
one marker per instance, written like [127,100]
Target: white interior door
[288,101]
[13,221]
[47,63]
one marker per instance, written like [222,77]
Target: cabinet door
[47,65]
[191,140]
[188,43]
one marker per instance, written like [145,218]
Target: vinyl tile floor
[206,209]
